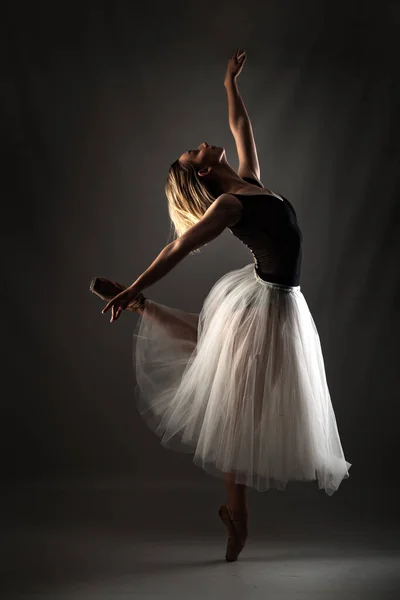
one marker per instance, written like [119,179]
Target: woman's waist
[287,280]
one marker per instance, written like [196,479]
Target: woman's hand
[120,302]
[235,65]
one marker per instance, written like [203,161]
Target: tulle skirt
[241,385]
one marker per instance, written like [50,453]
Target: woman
[241,385]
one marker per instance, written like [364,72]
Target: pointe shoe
[107,289]
[238,533]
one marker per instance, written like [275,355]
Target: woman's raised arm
[239,121]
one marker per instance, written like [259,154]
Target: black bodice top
[269,228]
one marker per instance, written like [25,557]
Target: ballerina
[242,384]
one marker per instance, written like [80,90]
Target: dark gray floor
[111,539]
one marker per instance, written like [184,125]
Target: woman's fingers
[113,305]
[113,301]
[120,302]
[107,306]
[115,313]
[112,313]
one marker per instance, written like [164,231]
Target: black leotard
[269,228]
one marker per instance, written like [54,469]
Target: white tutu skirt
[242,385]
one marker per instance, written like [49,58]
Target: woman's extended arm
[237,111]
[239,121]
[219,215]
[238,116]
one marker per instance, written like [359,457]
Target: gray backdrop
[98,99]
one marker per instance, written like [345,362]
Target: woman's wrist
[230,81]
[138,303]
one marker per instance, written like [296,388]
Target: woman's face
[203,155]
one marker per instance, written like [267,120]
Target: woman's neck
[223,180]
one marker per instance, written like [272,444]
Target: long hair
[188,199]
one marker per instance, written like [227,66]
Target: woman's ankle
[240,513]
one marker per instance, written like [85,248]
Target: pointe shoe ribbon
[237,533]
[107,289]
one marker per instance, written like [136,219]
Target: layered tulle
[242,385]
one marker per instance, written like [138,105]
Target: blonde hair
[188,199]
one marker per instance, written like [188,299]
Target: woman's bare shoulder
[229,201]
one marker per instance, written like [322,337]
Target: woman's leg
[237,497]
[176,323]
